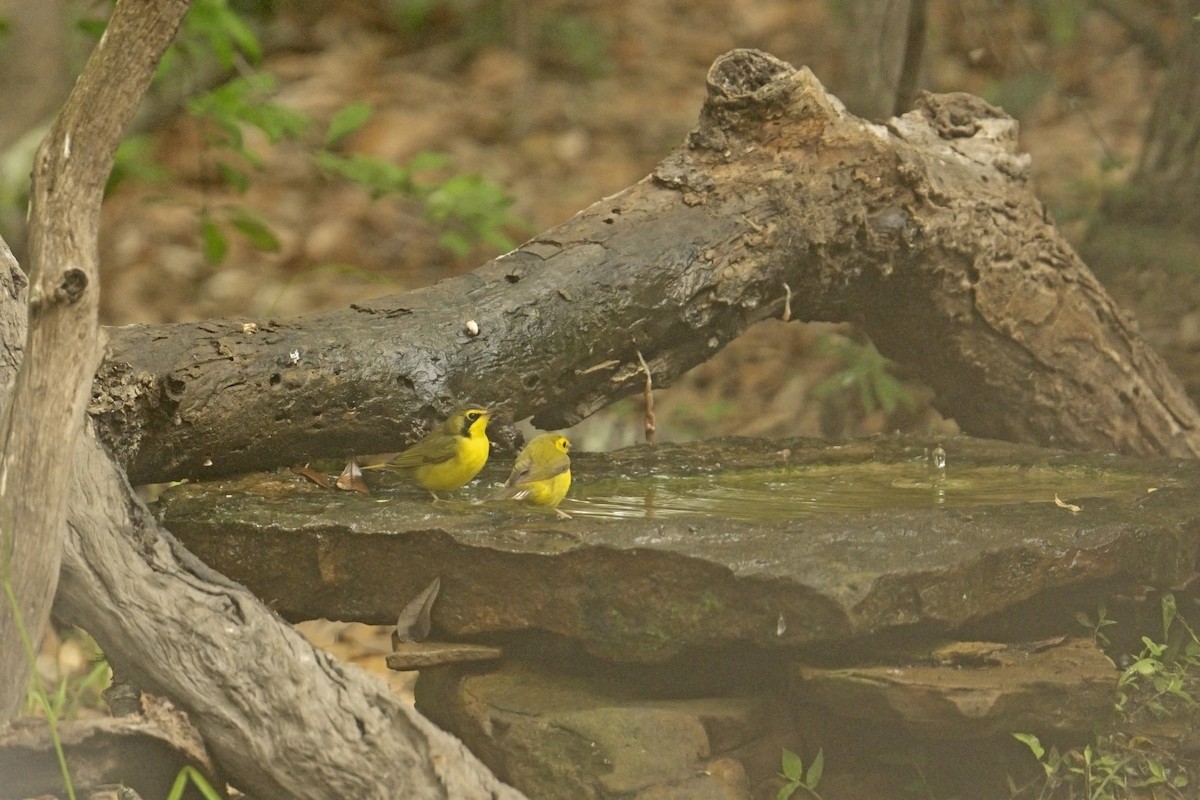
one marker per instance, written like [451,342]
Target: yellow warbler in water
[542,473]
[450,455]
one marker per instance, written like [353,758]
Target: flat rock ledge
[644,588]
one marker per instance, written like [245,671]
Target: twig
[787,303]
[650,426]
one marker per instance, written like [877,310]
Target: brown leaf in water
[351,479]
[319,478]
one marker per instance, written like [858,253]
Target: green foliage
[465,208]
[1063,19]
[469,208]
[413,16]
[38,691]
[378,177]
[244,101]
[865,373]
[1096,626]
[189,774]
[135,160]
[798,778]
[213,243]
[575,43]
[69,695]
[347,120]
[65,701]
[211,26]
[1159,684]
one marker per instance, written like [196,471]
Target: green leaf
[1169,613]
[1144,666]
[815,769]
[213,242]
[256,230]
[233,176]
[375,175]
[189,774]
[346,121]
[135,159]
[455,242]
[793,766]
[245,101]
[1032,742]
[223,30]
[428,160]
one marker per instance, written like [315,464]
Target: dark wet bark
[925,232]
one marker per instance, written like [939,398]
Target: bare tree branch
[282,718]
[42,419]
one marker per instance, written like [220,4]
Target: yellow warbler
[450,455]
[541,474]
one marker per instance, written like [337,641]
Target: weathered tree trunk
[925,232]
[282,718]
[885,45]
[1154,220]
[42,418]
[1166,185]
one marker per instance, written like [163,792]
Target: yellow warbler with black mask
[450,455]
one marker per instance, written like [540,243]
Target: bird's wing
[426,451]
[525,472]
[531,472]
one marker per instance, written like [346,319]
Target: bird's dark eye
[472,416]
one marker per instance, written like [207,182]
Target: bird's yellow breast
[471,453]
[548,492]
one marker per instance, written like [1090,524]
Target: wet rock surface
[645,588]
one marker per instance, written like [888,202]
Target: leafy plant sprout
[1159,684]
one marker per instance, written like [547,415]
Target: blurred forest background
[302,156]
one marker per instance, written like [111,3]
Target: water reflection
[795,493]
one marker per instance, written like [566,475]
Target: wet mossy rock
[649,584]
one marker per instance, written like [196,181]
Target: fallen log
[926,232]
